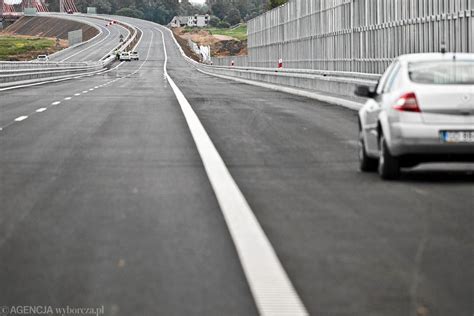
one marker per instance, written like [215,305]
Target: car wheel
[366,163]
[389,166]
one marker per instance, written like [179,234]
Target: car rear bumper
[423,139]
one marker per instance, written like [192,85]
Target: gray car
[422,110]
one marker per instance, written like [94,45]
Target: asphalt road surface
[94,50]
[105,201]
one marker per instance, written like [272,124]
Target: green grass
[239,32]
[11,45]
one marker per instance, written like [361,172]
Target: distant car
[42,58]
[69,11]
[125,56]
[422,110]
[134,56]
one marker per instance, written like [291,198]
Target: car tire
[389,166]
[366,163]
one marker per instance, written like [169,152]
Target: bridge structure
[15,8]
[207,191]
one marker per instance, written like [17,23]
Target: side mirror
[365,92]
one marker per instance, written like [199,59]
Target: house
[191,21]
[179,21]
[198,20]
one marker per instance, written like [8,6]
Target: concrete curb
[303,93]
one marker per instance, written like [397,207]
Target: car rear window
[452,72]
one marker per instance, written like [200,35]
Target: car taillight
[407,103]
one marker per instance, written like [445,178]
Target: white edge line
[78,44]
[353,105]
[88,47]
[21,118]
[271,288]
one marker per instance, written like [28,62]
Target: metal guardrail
[12,65]
[15,72]
[335,83]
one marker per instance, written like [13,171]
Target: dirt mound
[221,45]
[49,27]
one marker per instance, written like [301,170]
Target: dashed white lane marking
[85,91]
[67,98]
[91,89]
[21,118]
[56,103]
[271,288]
[41,110]
[96,87]
[77,94]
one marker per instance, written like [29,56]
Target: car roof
[434,57]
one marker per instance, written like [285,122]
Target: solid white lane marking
[67,98]
[88,47]
[271,288]
[21,118]
[41,110]
[56,103]
[77,94]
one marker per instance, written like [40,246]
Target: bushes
[214,21]
[223,25]
[130,12]
[233,17]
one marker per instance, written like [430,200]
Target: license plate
[457,136]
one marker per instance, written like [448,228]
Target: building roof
[182,19]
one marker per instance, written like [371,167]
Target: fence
[356,35]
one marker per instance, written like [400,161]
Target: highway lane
[95,49]
[25,101]
[352,245]
[105,202]
[109,190]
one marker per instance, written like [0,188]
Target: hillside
[49,27]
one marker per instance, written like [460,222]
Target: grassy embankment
[239,32]
[24,48]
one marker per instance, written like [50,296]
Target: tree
[131,12]
[233,17]
[276,3]
[214,21]
[243,7]
[221,8]
[223,25]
